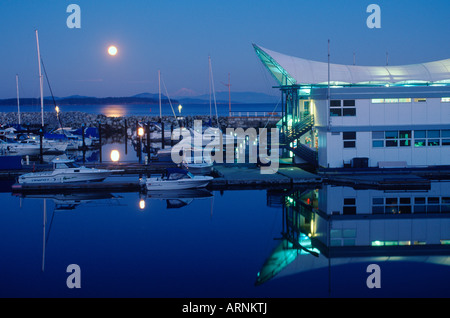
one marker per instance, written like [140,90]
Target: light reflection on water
[114,110]
[252,243]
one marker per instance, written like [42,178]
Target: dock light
[179,108]
[142,204]
[115,155]
[57,109]
[140,131]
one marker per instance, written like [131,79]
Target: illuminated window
[445,99]
[377,101]
[391,100]
[404,100]
[420,100]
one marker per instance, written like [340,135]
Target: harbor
[219,158]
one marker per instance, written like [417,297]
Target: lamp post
[140,132]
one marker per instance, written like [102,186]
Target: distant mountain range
[150,98]
[236,98]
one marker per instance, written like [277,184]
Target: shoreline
[115,125]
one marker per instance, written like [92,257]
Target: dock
[227,176]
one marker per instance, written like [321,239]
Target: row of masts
[212,93]
[40,86]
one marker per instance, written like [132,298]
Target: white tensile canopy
[293,70]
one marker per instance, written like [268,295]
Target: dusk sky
[177,37]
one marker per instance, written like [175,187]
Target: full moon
[112,50]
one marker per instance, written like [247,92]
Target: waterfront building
[341,225]
[340,116]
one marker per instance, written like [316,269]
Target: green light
[377,243]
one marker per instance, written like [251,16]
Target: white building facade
[348,116]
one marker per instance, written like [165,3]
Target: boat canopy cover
[290,70]
[88,132]
[55,136]
[175,173]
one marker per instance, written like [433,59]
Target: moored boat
[65,171]
[175,178]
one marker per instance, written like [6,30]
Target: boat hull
[43,178]
[156,184]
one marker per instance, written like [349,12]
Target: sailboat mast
[209,76]
[229,95]
[18,103]
[213,91]
[159,90]
[40,80]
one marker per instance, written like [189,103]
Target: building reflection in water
[342,225]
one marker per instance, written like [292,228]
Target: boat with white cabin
[65,171]
[176,178]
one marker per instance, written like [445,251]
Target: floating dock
[231,176]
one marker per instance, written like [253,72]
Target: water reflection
[337,225]
[113,110]
[70,201]
[179,198]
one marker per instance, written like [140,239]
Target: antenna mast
[18,104]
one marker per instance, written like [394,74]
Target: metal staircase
[296,131]
[306,153]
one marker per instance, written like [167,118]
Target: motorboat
[22,149]
[176,178]
[50,146]
[65,171]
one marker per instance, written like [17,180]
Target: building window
[377,139]
[377,205]
[349,206]
[392,100]
[420,100]
[335,103]
[431,138]
[391,138]
[445,100]
[445,134]
[342,107]
[349,103]
[349,138]
[405,138]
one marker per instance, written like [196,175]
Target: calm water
[289,243]
[220,245]
[150,110]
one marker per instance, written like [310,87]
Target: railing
[255,114]
[297,130]
[306,153]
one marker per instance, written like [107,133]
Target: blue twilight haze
[177,37]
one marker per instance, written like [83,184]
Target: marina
[223,158]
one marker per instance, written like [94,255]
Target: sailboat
[157,132]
